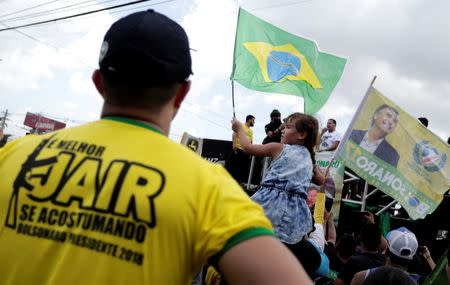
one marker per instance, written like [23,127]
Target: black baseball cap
[147,49]
[275,113]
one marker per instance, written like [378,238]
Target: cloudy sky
[47,68]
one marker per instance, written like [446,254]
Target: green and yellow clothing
[115,202]
[248,133]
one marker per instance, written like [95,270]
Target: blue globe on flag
[281,64]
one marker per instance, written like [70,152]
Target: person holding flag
[283,191]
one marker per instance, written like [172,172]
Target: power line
[30,8]
[56,10]
[50,116]
[208,110]
[50,45]
[73,16]
[117,11]
[59,49]
[144,6]
[201,117]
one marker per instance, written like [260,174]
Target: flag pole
[352,123]
[347,134]
[303,104]
[234,54]
[232,98]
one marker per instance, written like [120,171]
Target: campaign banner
[393,151]
[41,123]
[194,143]
[335,182]
[215,151]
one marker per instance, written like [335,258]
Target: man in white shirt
[331,138]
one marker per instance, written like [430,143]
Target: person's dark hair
[370,236]
[346,246]
[448,140]
[333,120]
[388,275]
[423,120]
[249,117]
[275,113]
[381,108]
[130,95]
[396,260]
[310,125]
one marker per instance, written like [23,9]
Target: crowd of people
[290,200]
[84,205]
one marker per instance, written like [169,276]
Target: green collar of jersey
[131,122]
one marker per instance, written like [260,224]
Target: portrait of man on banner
[391,150]
[384,122]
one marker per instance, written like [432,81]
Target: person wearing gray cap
[402,246]
[115,201]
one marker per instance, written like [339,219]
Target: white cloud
[406,48]
[70,105]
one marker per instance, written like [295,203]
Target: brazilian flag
[269,59]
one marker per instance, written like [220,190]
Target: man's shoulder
[357,135]
[336,135]
[18,144]
[148,141]
[387,146]
[375,259]
[358,132]
[389,152]
[359,262]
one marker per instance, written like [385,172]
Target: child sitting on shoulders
[283,191]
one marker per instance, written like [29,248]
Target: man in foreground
[117,202]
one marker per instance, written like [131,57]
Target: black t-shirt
[360,262]
[272,126]
[335,262]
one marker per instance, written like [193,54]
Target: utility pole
[4,119]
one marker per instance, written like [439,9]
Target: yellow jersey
[248,133]
[115,202]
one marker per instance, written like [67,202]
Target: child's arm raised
[270,149]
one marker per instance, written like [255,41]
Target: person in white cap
[402,246]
